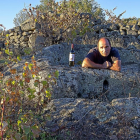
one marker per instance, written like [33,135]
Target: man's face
[104,47]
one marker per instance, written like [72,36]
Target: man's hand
[106,64]
[116,66]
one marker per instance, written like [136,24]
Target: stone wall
[23,37]
[27,35]
[120,35]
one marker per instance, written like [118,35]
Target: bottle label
[71,57]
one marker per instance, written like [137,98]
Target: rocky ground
[84,119]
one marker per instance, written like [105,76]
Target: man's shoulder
[93,54]
[114,50]
[93,50]
[115,54]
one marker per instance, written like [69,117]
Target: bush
[65,21]
[23,96]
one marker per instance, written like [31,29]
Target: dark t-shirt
[95,56]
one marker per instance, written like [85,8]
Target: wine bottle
[71,56]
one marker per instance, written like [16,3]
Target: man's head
[104,46]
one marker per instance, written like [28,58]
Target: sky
[9,8]
[131,6]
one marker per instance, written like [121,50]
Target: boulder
[132,32]
[17,40]
[30,25]
[15,34]
[36,42]
[11,34]
[104,30]
[102,35]
[138,23]
[25,33]
[115,33]
[17,29]
[129,27]
[123,32]
[24,39]
[11,31]
[23,44]
[114,27]
[97,28]
[108,34]
[123,27]
[135,28]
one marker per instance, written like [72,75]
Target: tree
[80,6]
[46,5]
[20,18]
[45,2]
[112,18]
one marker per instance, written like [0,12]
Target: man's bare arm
[87,63]
[116,66]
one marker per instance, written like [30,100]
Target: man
[103,57]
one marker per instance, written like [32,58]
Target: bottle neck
[72,47]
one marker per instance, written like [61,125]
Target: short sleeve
[90,56]
[115,55]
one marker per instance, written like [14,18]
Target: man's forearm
[116,66]
[90,64]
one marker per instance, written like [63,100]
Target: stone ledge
[77,82]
